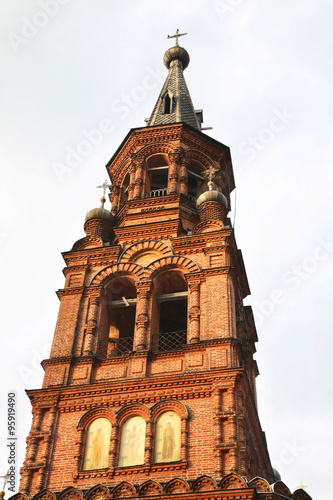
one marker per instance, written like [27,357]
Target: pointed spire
[174,103]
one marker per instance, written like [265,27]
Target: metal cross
[302,486]
[177,35]
[210,172]
[104,186]
[5,477]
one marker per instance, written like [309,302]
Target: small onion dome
[212,205]
[175,53]
[212,196]
[99,213]
[98,222]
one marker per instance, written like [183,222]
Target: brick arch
[97,492]
[177,261]
[150,488]
[120,175]
[176,485]
[204,483]
[169,405]
[203,159]
[124,489]
[135,271]
[92,415]
[157,148]
[156,245]
[45,495]
[232,482]
[70,493]
[132,410]
[146,151]
[260,485]
[280,488]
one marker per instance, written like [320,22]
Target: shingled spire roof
[174,103]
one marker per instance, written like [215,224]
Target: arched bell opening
[157,178]
[118,318]
[169,311]
[196,180]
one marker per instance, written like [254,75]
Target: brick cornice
[76,268]
[208,379]
[85,255]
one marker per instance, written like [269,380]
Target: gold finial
[104,186]
[177,35]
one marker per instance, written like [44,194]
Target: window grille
[170,341]
[117,347]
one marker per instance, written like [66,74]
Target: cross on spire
[177,35]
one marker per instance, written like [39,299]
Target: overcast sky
[262,73]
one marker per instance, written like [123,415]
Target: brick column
[79,455]
[90,338]
[232,419]
[36,419]
[32,443]
[142,315]
[232,424]
[183,175]
[183,440]
[131,183]
[218,422]
[113,446]
[174,167]
[114,198]
[148,443]
[139,165]
[193,334]
[41,482]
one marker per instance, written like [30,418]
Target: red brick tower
[150,385]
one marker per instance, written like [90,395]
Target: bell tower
[150,385]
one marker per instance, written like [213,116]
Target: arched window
[97,444]
[167,104]
[118,318]
[132,444]
[169,315]
[196,180]
[167,437]
[157,178]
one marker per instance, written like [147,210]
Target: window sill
[132,469]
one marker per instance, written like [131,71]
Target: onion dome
[99,222]
[176,53]
[100,213]
[212,195]
[212,204]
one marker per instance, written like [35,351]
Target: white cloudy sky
[262,73]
